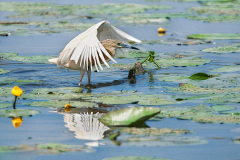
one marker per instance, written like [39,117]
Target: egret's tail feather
[53,60]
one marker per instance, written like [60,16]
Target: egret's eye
[119,44]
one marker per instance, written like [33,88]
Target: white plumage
[86,50]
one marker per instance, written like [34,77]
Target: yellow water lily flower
[161,34]
[17,121]
[161,30]
[67,106]
[16,91]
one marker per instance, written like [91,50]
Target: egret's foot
[79,83]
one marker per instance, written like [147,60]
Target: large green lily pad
[211,118]
[153,131]
[211,36]
[58,148]
[151,141]
[141,99]
[5,105]
[3,71]
[135,158]
[223,49]
[34,59]
[7,80]
[63,93]
[49,148]
[220,108]
[18,113]
[182,62]
[233,68]
[129,116]
[228,98]
[60,104]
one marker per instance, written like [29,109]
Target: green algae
[18,113]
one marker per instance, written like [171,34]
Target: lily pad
[224,49]
[211,118]
[141,99]
[33,59]
[153,131]
[220,108]
[18,113]
[58,148]
[60,104]
[182,62]
[5,55]
[211,36]
[233,68]
[49,148]
[7,80]
[5,105]
[3,71]
[135,158]
[228,98]
[160,141]
[200,76]
[63,93]
[129,116]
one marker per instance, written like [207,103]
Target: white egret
[94,47]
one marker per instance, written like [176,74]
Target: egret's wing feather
[125,35]
[87,46]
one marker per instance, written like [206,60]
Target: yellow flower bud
[67,106]
[161,30]
[16,91]
[161,34]
[17,121]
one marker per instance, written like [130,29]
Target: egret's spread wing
[87,50]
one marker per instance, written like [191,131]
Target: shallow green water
[208,141]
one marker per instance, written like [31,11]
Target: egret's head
[116,44]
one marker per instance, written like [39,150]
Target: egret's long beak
[128,46]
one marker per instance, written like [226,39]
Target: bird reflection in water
[85,126]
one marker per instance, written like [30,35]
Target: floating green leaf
[60,104]
[3,71]
[129,116]
[141,99]
[153,131]
[200,76]
[49,148]
[182,62]
[233,68]
[58,148]
[5,105]
[220,108]
[36,59]
[211,118]
[223,49]
[135,158]
[211,36]
[18,113]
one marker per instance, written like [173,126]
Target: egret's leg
[89,75]
[82,72]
